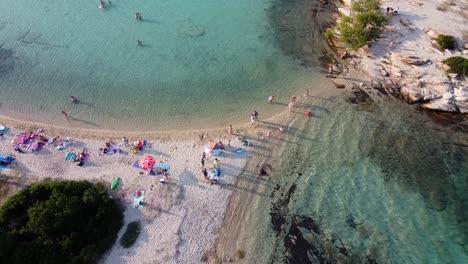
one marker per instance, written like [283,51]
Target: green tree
[58,222]
[364,24]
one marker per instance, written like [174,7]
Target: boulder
[407,23]
[415,92]
[339,85]
[414,60]
[461,100]
[437,200]
[446,103]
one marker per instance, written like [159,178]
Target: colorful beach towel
[70,156]
[162,166]
[6,160]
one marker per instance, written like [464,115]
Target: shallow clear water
[200,61]
[381,184]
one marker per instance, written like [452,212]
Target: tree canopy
[364,24]
[59,222]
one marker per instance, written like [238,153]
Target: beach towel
[70,156]
[239,150]
[162,166]
[138,201]
[6,159]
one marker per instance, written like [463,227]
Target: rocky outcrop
[414,60]
[461,99]
[446,103]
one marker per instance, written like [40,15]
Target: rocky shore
[406,60]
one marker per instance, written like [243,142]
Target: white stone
[446,103]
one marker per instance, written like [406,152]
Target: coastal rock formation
[446,103]
[406,60]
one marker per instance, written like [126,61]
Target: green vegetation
[458,65]
[329,33]
[446,42]
[364,24]
[131,234]
[58,222]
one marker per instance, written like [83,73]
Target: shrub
[446,42]
[131,234]
[58,222]
[329,33]
[364,25]
[458,65]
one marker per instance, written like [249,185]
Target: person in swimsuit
[66,115]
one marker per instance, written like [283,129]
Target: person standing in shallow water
[271,98]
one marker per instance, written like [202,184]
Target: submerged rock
[358,96]
[437,200]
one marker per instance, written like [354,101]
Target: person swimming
[101,4]
[73,99]
[140,42]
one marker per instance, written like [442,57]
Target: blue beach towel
[6,158]
[162,166]
[239,150]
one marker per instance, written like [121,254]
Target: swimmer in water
[73,99]
[139,43]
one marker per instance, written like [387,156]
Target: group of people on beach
[215,172]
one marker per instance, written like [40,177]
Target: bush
[329,33]
[58,222]
[131,234]
[364,25]
[458,65]
[446,42]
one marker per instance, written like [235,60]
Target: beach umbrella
[147,162]
[213,149]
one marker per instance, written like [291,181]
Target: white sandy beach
[180,218]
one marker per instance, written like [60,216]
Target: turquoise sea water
[378,184]
[200,61]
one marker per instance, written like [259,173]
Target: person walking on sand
[125,141]
[67,116]
[306,93]
[290,106]
[231,131]
[271,98]
[330,70]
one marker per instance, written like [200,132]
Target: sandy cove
[186,220]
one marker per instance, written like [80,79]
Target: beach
[363,178]
[179,217]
